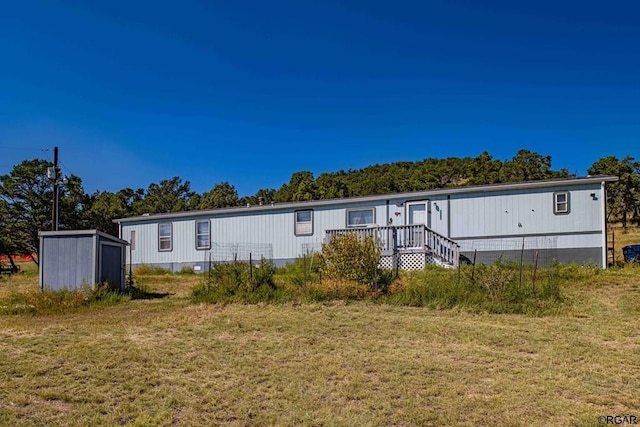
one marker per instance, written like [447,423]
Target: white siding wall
[526,212]
[473,215]
[440,215]
[265,227]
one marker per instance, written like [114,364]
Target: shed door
[111,265]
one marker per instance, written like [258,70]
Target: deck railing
[407,237]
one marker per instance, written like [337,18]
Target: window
[360,217]
[132,240]
[561,203]
[203,235]
[303,223]
[165,237]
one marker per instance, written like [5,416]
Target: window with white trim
[360,217]
[561,203]
[165,237]
[203,235]
[303,223]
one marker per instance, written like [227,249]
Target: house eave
[364,199]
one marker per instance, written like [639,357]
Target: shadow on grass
[144,294]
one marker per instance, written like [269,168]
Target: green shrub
[262,274]
[355,258]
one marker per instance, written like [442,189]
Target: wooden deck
[408,239]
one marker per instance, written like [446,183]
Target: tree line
[26,192]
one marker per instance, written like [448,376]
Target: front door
[418,214]
[417,218]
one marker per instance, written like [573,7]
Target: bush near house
[350,257]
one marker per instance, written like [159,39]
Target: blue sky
[251,91]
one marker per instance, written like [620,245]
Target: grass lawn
[164,361]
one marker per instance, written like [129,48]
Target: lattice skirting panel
[407,261]
[410,261]
[387,262]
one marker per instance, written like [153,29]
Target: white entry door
[417,214]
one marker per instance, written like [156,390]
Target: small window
[360,217]
[132,240]
[303,223]
[165,237]
[203,235]
[561,203]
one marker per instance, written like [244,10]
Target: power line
[25,148]
[65,167]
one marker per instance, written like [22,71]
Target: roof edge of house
[425,193]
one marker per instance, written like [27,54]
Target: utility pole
[55,177]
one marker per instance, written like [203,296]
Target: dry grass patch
[24,281]
[165,362]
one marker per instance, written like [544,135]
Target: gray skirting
[546,257]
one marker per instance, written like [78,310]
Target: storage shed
[70,259]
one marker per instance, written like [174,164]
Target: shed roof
[394,196]
[82,233]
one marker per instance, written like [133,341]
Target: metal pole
[209,273]
[130,266]
[613,246]
[521,260]
[535,268]
[304,274]
[473,271]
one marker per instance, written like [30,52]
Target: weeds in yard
[495,289]
[240,282]
[186,270]
[303,270]
[150,270]
[48,301]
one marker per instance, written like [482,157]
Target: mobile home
[560,219]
